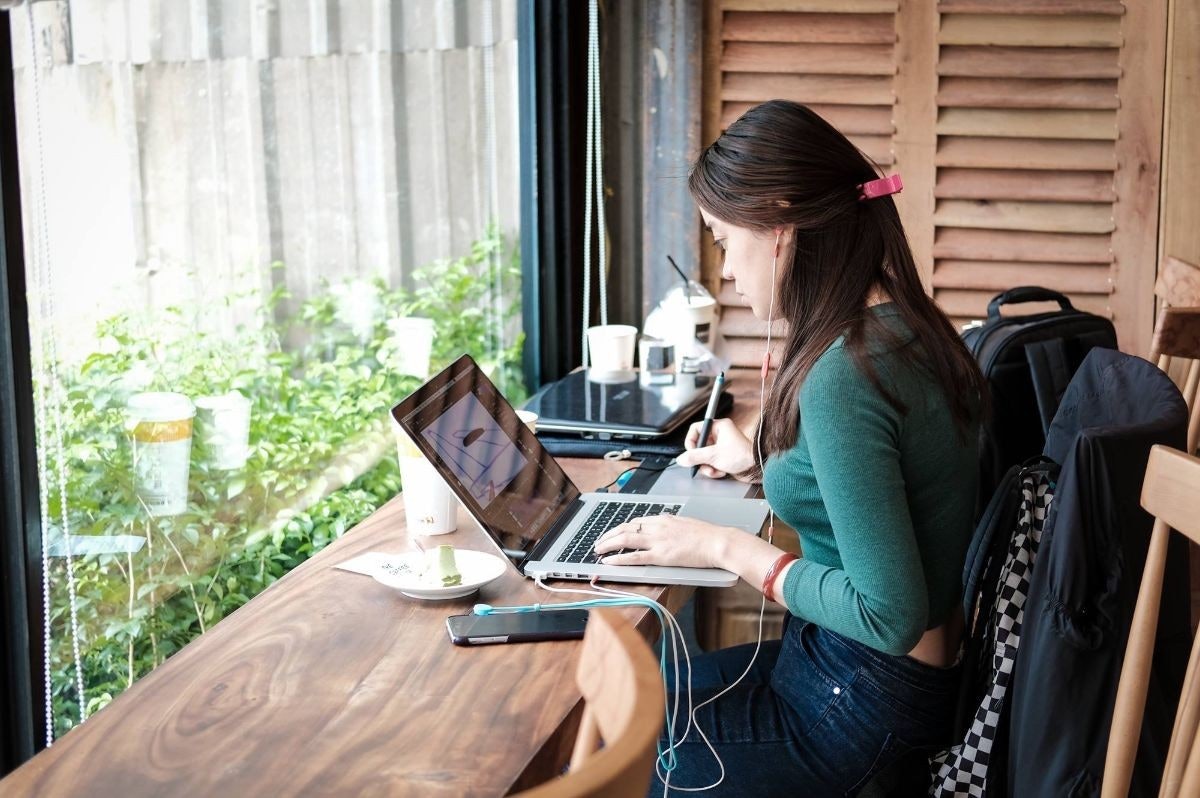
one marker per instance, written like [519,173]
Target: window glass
[250,228]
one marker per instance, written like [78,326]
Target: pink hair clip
[880,188]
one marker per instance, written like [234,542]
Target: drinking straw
[687,291]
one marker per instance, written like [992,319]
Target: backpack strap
[1051,367]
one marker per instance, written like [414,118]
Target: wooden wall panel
[840,58]
[1016,29]
[1027,132]
[915,139]
[1030,98]
[1179,238]
[1136,182]
[1024,184]
[1039,124]
[1026,62]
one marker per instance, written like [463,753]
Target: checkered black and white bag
[963,770]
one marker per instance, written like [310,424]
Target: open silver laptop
[523,499]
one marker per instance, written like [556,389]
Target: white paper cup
[223,424]
[611,347]
[411,345]
[529,419]
[160,424]
[429,504]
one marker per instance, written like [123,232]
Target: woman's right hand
[728,451]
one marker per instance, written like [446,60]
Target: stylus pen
[708,416]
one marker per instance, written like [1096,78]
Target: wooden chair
[1177,337]
[1171,493]
[1178,283]
[623,694]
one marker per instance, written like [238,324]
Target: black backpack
[1027,362]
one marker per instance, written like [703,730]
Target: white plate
[406,573]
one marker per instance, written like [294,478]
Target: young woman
[866,446]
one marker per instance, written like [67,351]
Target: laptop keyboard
[604,517]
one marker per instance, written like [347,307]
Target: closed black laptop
[630,409]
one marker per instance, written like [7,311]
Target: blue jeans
[818,714]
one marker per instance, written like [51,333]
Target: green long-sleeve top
[882,500]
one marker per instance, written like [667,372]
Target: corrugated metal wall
[191,143]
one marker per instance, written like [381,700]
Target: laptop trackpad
[747,514]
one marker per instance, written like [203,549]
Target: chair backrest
[623,706]
[1171,493]
[1178,282]
[1177,337]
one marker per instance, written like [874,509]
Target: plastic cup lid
[159,406]
[695,291]
[677,299]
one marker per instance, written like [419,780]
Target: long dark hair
[782,165]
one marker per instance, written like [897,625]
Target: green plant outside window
[321,456]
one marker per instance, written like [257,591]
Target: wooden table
[331,683]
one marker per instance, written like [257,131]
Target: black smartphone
[516,627]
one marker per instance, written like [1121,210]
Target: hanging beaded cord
[594,182]
[49,392]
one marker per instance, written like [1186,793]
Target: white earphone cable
[671,629]
[762,391]
[770,538]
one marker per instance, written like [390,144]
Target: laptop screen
[487,455]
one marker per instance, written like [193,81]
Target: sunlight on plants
[321,456]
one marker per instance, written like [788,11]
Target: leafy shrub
[320,461]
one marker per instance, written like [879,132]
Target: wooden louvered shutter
[1048,126]
[836,56]
[1027,132]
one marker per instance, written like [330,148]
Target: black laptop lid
[630,408]
[470,433]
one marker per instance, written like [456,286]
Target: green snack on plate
[447,569]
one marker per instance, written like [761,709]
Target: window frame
[652,130]
[551,74]
[22,682]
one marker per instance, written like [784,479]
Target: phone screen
[516,627]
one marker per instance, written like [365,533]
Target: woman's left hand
[663,540]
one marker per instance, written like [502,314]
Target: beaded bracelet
[773,573]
